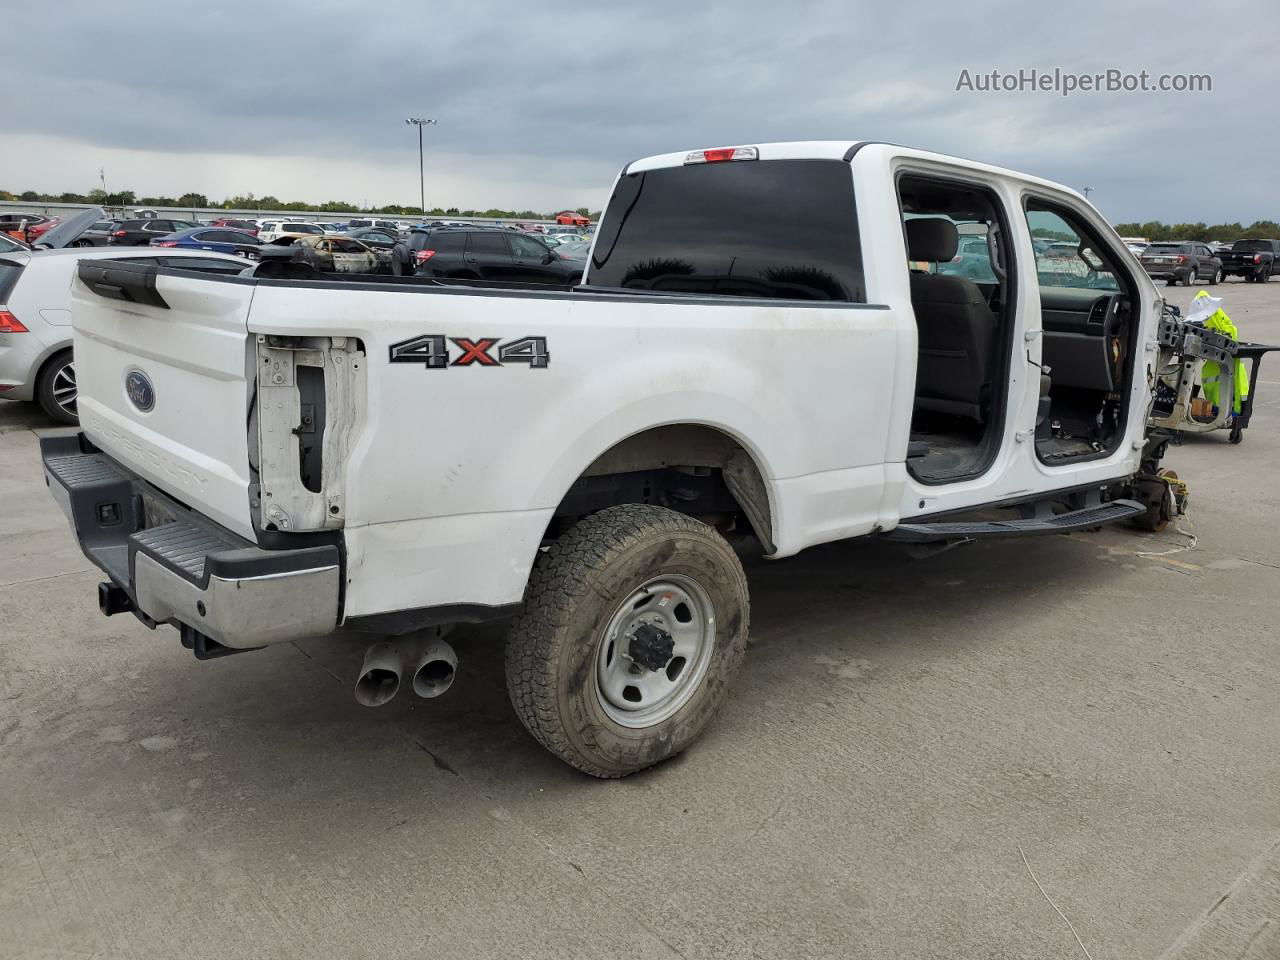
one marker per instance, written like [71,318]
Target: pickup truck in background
[765,345]
[1254,260]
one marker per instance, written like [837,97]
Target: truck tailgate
[161,362]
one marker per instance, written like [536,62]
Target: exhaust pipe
[433,674]
[379,676]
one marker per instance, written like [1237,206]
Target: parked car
[8,244]
[97,234]
[572,218]
[36,361]
[357,223]
[569,460]
[239,243]
[573,249]
[1135,244]
[140,232]
[248,226]
[972,260]
[331,254]
[1255,260]
[563,230]
[24,226]
[1185,262]
[379,238]
[272,230]
[482,254]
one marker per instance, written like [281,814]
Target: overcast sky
[540,103]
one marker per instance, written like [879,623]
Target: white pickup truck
[778,340]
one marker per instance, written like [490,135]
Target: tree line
[127,198]
[1205,233]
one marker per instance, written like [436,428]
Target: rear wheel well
[693,469]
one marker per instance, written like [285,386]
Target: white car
[35,316]
[395,455]
[271,230]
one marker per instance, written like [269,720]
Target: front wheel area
[634,624]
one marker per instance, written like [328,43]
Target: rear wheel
[56,388]
[635,622]
[1216,278]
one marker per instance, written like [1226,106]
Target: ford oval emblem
[137,385]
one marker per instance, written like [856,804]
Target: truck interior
[962,291]
[962,294]
[1089,325]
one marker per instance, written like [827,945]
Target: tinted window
[487,243]
[1251,246]
[101,225]
[301,228]
[774,228]
[442,242]
[524,247]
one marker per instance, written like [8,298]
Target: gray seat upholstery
[956,327]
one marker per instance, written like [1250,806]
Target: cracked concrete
[899,729]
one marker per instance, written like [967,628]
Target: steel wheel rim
[633,696]
[64,388]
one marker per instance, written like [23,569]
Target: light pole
[420,122]
[1087,191]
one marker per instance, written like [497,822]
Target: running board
[1095,516]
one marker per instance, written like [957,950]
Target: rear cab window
[777,229]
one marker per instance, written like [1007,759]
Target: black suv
[140,233]
[482,254]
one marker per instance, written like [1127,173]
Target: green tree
[29,196]
[193,200]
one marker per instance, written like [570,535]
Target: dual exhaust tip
[430,663]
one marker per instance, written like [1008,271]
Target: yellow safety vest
[1210,375]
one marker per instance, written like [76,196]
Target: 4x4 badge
[433,351]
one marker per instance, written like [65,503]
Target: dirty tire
[574,590]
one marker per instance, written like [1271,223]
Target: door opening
[962,279]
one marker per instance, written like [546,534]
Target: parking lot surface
[903,733]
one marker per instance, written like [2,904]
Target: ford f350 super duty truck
[765,340]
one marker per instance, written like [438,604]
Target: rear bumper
[1170,272]
[178,567]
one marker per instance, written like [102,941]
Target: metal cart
[1185,347]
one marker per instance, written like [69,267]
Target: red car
[572,218]
[35,224]
[248,226]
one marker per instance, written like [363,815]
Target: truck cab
[769,341]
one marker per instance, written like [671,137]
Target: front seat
[956,327]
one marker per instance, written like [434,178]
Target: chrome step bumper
[178,567]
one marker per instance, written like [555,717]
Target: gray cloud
[563,95]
